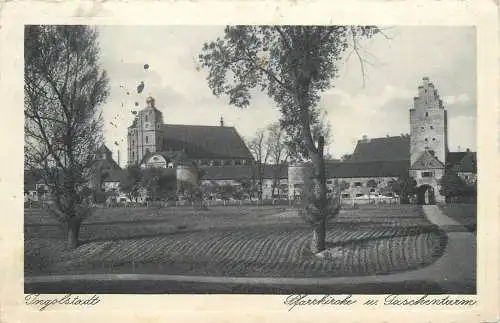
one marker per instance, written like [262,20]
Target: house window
[466,176]
[427,174]
[227,162]
[359,194]
[237,162]
[427,113]
[432,127]
[216,163]
[146,118]
[133,142]
[345,195]
[297,186]
[357,184]
[158,126]
[133,155]
[426,140]
[204,163]
[329,181]
[372,190]
[422,128]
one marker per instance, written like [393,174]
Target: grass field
[465,214]
[233,241]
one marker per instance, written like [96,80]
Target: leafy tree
[159,183]
[293,65]
[249,187]
[130,184]
[453,187]
[64,87]
[191,192]
[405,186]
[371,184]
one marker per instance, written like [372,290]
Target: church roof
[382,149]
[205,141]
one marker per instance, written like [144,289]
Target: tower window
[148,138]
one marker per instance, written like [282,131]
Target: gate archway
[425,195]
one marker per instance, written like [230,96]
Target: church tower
[428,124]
[145,135]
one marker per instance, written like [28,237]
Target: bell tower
[146,133]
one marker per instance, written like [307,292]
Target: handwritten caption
[296,301]
[43,302]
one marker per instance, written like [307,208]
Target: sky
[377,107]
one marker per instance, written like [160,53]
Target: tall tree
[64,88]
[405,186]
[294,65]
[159,183]
[260,150]
[130,184]
[278,153]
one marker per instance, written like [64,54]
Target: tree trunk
[319,230]
[73,233]
[318,238]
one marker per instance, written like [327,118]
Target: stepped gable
[205,141]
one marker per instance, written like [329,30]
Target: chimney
[222,121]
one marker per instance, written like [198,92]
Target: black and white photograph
[250,159]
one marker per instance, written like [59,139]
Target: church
[221,152]
[222,155]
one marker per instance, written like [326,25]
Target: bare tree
[64,88]
[260,150]
[276,141]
